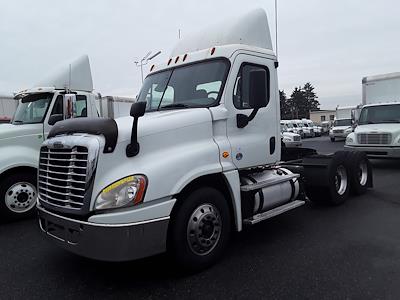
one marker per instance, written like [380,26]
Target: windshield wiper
[175,105]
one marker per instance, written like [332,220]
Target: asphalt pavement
[346,252]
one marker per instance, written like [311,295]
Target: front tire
[200,229]
[17,196]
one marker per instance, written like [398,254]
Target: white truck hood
[162,121]
[8,131]
[393,128]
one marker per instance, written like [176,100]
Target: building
[319,116]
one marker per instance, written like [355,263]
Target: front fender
[14,156]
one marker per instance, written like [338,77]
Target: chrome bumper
[377,152]
[107,242]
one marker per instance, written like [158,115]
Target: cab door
[258,143]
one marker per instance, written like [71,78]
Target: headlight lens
[349,140]
[127,191]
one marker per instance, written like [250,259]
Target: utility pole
[144,61]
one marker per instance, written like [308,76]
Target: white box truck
[378,129]
[343,123]
[199,157]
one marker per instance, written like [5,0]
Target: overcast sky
[332,44]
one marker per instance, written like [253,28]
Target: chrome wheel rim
[21,197]
[204,229]
[341,180]
[363,173]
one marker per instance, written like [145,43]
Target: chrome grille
[374,138]
[338,131]
[62,176]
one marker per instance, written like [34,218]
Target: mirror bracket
[137,110]
[243,120]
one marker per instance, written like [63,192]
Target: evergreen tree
[285,106]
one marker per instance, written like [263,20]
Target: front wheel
[17,196]
[200,229]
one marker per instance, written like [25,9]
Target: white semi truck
[199,157]
[378,128]
[66,94]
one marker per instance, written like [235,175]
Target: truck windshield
[195,85]
[380,114]
[32,109]
[343,122]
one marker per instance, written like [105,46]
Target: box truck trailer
[198,158]
[7,107]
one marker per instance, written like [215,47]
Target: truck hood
[8,131]
[162,121]
[378,128]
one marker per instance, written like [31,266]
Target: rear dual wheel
[336,189]
[348,172]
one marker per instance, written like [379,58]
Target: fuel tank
[272,196]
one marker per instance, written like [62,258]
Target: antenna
[276,28]
[69,79]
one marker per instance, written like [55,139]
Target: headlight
[127,191]
[349,130]
[349,140]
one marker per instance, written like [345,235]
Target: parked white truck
[378,129]
[199,158]
[343,123]
[66,94]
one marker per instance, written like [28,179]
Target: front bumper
[293,144]
[377,151]
[107,242]
[339,135]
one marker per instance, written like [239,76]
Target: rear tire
[360,172]
[18,196]
[200,229]
[337,189]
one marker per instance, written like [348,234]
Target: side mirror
[258,88]
[69,106]
[138,109]
[55,118]
[257,96]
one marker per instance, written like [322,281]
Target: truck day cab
[66,94]
[199,159]
[378,129]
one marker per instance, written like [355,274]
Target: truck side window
[58,106]
[241,90]
[81,106]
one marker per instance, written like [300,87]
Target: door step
[273,212]
[267,183]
